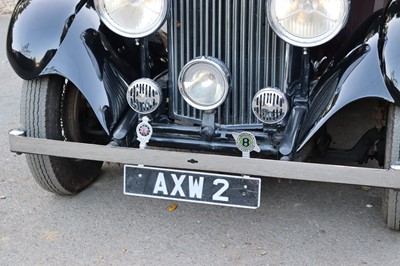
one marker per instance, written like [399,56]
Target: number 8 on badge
[246,143]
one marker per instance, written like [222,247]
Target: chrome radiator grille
[236,32]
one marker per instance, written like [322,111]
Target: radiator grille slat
[237,33]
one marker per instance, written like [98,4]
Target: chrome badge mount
[246,143]
[144,131]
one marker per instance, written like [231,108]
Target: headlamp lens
[204,83]
[132,18]
[307,23]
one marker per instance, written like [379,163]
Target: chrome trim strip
[395,167]
[209,163]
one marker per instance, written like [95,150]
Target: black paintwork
[67,38]
[359,75]
[36,32]
[390,55]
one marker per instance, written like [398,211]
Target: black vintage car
[200,98]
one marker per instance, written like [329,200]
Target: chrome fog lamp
[204,83]
[144,96]
[132,18]
[307,23]
[270,106]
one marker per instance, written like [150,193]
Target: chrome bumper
[209,163]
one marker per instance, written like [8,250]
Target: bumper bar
[209,163]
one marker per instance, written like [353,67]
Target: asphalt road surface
[299,223]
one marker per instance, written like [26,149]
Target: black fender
[64,38]
[391,51]
[359,75]
[36,31]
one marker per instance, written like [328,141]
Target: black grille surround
[237,33]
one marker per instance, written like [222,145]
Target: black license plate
[227,190]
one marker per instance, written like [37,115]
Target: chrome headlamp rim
[306,42]
[116,28]
[221,69]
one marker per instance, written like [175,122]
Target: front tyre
[391,197]
[52,108]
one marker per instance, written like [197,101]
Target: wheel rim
[79,123]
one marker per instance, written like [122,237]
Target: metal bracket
[208,125]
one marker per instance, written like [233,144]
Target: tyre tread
[33,117]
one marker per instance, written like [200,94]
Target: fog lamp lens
[144,96]
[204,83]
[270,106]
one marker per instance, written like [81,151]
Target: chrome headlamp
[307,23]
[132,18]
[204,83]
